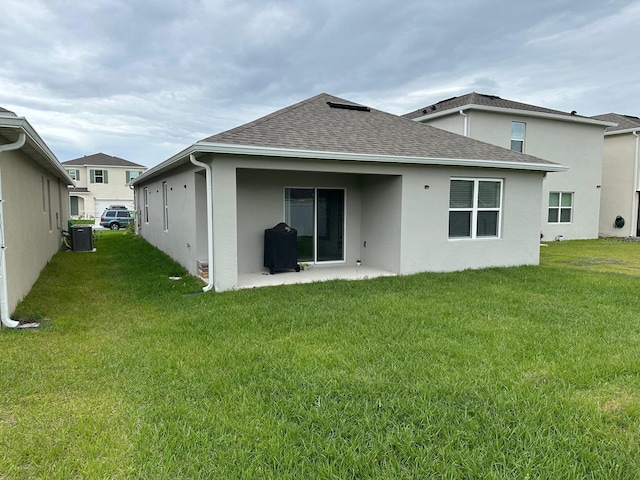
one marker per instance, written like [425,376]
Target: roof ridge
[269,116]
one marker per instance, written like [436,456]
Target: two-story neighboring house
[101,180]
[571,199]
[620,184]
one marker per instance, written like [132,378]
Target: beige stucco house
[34,207]
[620,183]
[570,200]
[361,186]
[101,180]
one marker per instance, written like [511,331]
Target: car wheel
[114,226]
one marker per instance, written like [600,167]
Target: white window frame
[74,173]
[518,139]
[165,206]
[93,176]
[561,207]
[131,174]
[476,208]
[145,199]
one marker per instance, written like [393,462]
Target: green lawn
[529,372]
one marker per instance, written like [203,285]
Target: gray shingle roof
[102,159]
[314,125]
[7,112]
[625,122]
[483,100]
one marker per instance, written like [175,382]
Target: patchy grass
[524,372]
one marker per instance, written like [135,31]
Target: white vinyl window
[131,174]
[145,195]
[165,205]
[475,208]
[517,136]
[74,173]
[98,176]
[560,207]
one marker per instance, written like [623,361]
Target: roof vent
[349,106]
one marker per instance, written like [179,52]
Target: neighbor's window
[131,174]
[475,208]
[99,176]
[560,207]
[517,136]
[74,173]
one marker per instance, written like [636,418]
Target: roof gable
[101,159]
[325,123]
[625,122]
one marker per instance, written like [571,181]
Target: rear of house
[34,203]
[359,185]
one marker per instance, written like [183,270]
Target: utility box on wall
[82,238]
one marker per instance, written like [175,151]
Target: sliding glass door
[318,216]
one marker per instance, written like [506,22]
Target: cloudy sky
[143,79]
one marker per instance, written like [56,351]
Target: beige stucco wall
[618,185]
[400,212]
[179,241]
[577,146]
[36,206]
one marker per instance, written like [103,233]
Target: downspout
[465,128]
[208,180]
[634,203]
[4,287]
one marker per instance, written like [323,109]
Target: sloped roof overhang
[34,147]
[249,150]
[513,111]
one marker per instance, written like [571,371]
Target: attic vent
[349,106]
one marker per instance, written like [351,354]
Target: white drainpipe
[4,287]
[634,203]
[208,180]
[465,130]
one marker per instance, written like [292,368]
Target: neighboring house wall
[578,146]
[101,195]
[101,180]
[35,209]
[400,211]
[618,186]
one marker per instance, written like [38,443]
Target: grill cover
[281,248]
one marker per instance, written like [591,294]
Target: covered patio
[316,273]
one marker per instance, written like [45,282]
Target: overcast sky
[143,79]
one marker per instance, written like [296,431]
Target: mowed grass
[528,372]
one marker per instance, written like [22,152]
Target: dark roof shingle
[625,122]
[314,125]
[483,100]
[102,159]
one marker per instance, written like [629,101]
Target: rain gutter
[4,287]
[208,180]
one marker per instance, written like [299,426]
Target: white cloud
[145,78]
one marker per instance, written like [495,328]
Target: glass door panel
[299,213]
[330,228]
[318,216]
